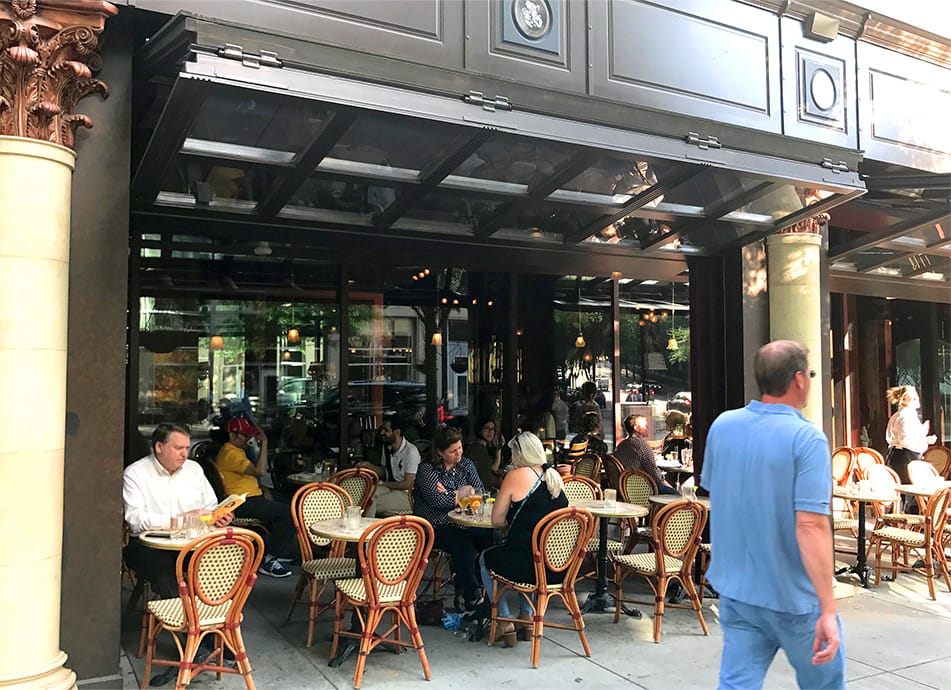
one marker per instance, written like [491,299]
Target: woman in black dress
[529,492]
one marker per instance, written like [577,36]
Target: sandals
[508,635]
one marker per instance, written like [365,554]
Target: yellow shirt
[232,463]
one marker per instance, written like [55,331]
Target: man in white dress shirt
[156,487]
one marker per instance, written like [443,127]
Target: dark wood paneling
[95,374]
[425,31]
[685,58]
[557,62]
[818,82]
[903,107]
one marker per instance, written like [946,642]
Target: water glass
[351,518]
[610,498]
[193,525]
[176,526]
[686,456]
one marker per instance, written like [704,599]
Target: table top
[866,496]
[476,520]
[620,509]
[307,477]
[673,466]
[161,539]
[922,489]
[665,499]
[335,529]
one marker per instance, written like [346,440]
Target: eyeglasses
[811,373]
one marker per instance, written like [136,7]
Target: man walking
[768,470]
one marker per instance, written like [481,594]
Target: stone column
[795,301]
[46,49]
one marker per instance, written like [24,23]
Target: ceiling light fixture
[262,249]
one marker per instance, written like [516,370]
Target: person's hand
[826,643]
[261,438]
[931,439]
[440,487]
[224,520]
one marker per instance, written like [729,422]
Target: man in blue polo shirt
[768,470]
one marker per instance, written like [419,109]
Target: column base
[56,677]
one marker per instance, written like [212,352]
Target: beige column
[48,52]
[34,268]
[795,306]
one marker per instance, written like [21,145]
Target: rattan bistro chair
[393,553]
[676,530]
[588,466]
[360,483]
[940,458]
[929,542]
[636,486]
[213,586]
[312,503]
[558,545]
[576,451]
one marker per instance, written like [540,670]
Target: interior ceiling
[228,163]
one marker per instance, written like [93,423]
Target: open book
[227,505]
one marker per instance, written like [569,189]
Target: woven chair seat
[354,589]
[171,614]
[613,546]
[330,568]
[647,562]
[523,585]
[845,523]
[903,536]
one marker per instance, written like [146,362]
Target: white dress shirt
[151,495]
[904,430]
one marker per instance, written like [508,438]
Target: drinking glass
[176,526]
[351,518]
[610,498]
[193,525]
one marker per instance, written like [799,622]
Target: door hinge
[267,58]
[489,104]
[703,142]
[839,167]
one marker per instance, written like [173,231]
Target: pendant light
[579,341]
[672,343]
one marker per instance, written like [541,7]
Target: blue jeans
[489,584]
[753,634]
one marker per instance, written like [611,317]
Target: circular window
[532,17]
[822,89]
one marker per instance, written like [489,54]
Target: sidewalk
[895,638]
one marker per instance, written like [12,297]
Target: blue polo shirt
[761,464]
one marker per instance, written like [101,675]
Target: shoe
[274,568]
[290,560]
[525,630]
[508,635]
[165,677]
[346,650]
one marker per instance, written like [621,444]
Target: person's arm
[815,546]
[259,468]
[410,468]
[500,509]
[431,490]
[137,513]
[403,485]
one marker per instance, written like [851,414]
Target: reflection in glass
[398,142]
[517,159]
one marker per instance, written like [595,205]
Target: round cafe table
[602,599]
[161,539]
[665,499]
[307,477]
[337,529]
[862,497]
[475,520]
[922,492]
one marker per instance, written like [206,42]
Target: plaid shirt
[432,504]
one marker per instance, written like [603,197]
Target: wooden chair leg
[301,582]
[659,606]
[149,652]
[929,573]
[188,656]
[539,628]
[312,610]
[695,600]
[410,615]
[338,621]
[619,575]
[494,615]
[574,608]
[372,621]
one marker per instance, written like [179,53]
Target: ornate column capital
[48,53]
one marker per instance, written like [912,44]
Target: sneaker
[292,560]
[274,568]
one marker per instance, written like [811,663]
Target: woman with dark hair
[591,432]
[439,483]
[486,451]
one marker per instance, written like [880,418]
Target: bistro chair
[929,542]
[213,586]
[613,469]
[636,486]
[393,553]
[578,488]
[576,451]
[312,503]
[843,465]
[865,457]
[589,466]
[940,457]
[924,473]
[676,530]
[558,546]
[360,483]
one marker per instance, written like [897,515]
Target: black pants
[898,459]
[154,565]
[463,547]
[276,516]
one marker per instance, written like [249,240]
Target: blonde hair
[896,394]
[528,451]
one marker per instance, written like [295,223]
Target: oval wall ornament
[532,18]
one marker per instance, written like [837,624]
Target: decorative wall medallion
[47,57]
[821,89]
[532,17]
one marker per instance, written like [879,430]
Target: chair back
[940,458]
[884,480]
[577,450]
[921,472]
[864,458]
[843,465]
[588,465]
[393,554]
[636,486]
[559,543]
[312,503]
[936,514]
[581,489]
[360,483]
[676,530]
[613,469]
[221,568]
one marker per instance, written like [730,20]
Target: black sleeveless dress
[513,559]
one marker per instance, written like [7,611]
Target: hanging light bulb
[579,341]
[216,343]
[293,336]
[437,338]
[672,343]
[287,355]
